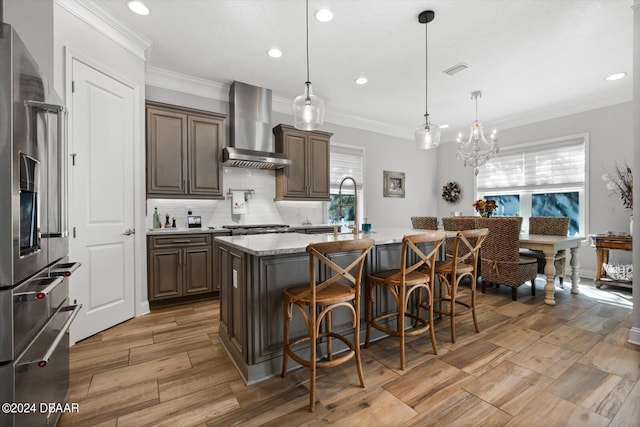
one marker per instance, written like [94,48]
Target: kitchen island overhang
[253,271]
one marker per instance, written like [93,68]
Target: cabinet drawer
[179,240]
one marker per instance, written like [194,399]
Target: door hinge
[74,232]
[73,159]
[73,86]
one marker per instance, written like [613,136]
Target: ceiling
[532,59]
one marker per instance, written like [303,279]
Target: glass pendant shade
[427,135]
[308,110]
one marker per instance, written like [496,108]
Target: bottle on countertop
[167,224]
[173,224]
[156,219]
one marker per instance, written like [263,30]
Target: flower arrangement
[620,182]
[485,207]
[451,192]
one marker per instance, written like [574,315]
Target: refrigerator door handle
[41,362]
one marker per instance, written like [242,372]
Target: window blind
[344,162]
[556,165]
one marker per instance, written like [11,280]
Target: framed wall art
[393,184]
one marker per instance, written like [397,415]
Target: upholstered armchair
[501,260]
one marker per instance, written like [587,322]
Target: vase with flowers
[620,182]
[485,207]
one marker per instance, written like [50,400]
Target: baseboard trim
[634,336]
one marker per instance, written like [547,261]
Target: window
[546,178]
[345,161]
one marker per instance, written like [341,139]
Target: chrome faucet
[355,203]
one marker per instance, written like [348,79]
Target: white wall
[610,132]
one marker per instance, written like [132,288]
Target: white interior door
[102,207]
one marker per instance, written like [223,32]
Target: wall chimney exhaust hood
[251,139]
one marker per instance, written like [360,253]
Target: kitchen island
[254,270]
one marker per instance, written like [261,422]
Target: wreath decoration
[451,192]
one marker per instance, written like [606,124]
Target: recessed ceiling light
[324,15]
[361,80]
[274,52]
[138,7]
[616,76]
[444,126]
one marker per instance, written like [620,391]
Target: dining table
[550,245]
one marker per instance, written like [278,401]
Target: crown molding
[202,87]
[179,82]
[577,105]
[98,18]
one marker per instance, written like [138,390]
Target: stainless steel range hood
[251,139]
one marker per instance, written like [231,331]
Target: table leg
[550,272]
[575,279]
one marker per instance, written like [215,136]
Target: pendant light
[477,150]
[427,135]
[308,109]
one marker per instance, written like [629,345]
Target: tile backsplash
[262,208]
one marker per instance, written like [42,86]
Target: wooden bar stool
[315,302]
[462,264]
[401,284]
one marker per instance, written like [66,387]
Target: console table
[604,243]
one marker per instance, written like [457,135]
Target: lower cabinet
[179,266]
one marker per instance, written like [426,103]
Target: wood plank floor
[531,365]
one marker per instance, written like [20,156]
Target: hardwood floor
[531,365]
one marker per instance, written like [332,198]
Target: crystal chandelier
[308,109]
[477,150]
[427,135]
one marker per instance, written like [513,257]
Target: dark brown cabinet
[184,149]
[307,178]
[179,265]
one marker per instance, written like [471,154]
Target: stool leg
[452,306]
[356,342]
[312,357]
[328,329]
[473,304]
[401,309]
[432,333]
[285,345]
[368,314]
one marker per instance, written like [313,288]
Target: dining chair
[415,273]
[549,226]
[424,222]
[463,264]
[501,261]
[315,301]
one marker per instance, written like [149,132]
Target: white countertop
[164,231]
[289,243]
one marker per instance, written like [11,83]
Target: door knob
[129,232]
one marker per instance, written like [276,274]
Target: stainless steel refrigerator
[35,314]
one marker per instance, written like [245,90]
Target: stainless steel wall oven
[35,314]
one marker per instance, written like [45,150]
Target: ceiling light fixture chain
[308,109]
[477,150]
[427,135]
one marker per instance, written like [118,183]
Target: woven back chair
[457,223]
[549,226]
[424,222]
[501,260]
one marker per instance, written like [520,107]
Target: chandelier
[477,150]
[308,109]
[427,135]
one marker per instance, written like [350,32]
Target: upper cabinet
[307,178]
[184,149]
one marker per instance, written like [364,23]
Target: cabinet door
[318,169]
[294,184]
[206,136]
[197,271]
[165,274]
[166,152]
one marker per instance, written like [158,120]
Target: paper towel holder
[247,192]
